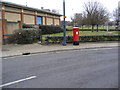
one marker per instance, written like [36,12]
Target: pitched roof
[27,8]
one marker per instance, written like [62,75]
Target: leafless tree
[96,14]
[78,19]
[55,11]
[116,16]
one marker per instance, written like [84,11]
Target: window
[39,20]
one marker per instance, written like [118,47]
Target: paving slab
[15,50]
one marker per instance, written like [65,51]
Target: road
[97,68]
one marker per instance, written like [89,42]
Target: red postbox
[76,36]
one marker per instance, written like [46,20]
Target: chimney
[42,8]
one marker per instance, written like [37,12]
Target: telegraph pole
[64,26]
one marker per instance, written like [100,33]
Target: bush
[59,39]
[99,38]
[23,36]
[27,26]
[50,29]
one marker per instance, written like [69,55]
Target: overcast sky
[72,6]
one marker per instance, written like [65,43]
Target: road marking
[18,81]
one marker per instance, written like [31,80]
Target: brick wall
[0,32]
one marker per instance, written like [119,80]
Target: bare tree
[96,14]
[116,16]
[78,19]
[55,11]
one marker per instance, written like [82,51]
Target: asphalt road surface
[96,68]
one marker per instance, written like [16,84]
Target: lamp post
[119,11]
[64,26]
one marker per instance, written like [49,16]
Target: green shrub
[23,36]
[50,29]
[27,26]
[59,39]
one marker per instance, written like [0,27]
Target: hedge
[69,39]
[50,29]
[25,36]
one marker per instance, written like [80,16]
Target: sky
[72,6]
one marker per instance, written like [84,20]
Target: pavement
[17,50]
